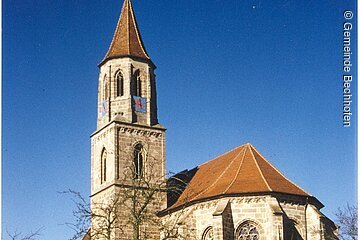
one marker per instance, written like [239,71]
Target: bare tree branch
[132,208]
[347,220]
[20,236]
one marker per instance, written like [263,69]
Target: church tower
[128,133]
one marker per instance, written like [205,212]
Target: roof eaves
[175,207]
[145,60]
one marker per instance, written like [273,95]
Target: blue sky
[229,72]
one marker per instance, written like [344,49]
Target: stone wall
[274,218]
[227,214]
[122,106]
[119,140]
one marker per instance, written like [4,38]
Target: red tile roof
[126,40]
[242,170]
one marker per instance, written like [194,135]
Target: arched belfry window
[120,84]
[137,83]
[208,234]
[247,231]
[139,158]
[103,165]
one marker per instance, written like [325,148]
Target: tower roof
[126,40]
[242,170]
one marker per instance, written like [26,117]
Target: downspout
[306,229]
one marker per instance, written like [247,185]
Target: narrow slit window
[138,92]
[103,166]
[137,84]
[139,156]
[120,84]
[106,91]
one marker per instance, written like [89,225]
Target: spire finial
[126,40]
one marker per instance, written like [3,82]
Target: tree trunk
[136,234]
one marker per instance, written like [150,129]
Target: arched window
[120,84]
[247,231]
[137,83]
[208,234]
[106,88]
[290,230]
[139,157]
[103,165]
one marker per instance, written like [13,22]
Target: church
[237,195]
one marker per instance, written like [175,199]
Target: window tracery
[248,231]
[208,234]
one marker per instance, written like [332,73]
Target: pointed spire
[126,40]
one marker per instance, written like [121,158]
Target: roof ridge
[126,40]
[261,173]
[237,173]
[136,31]
[279,171]
[222,174]
[128,23]
[115,33]
[222,154]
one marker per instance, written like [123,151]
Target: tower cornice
[157,127]
[134,58]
